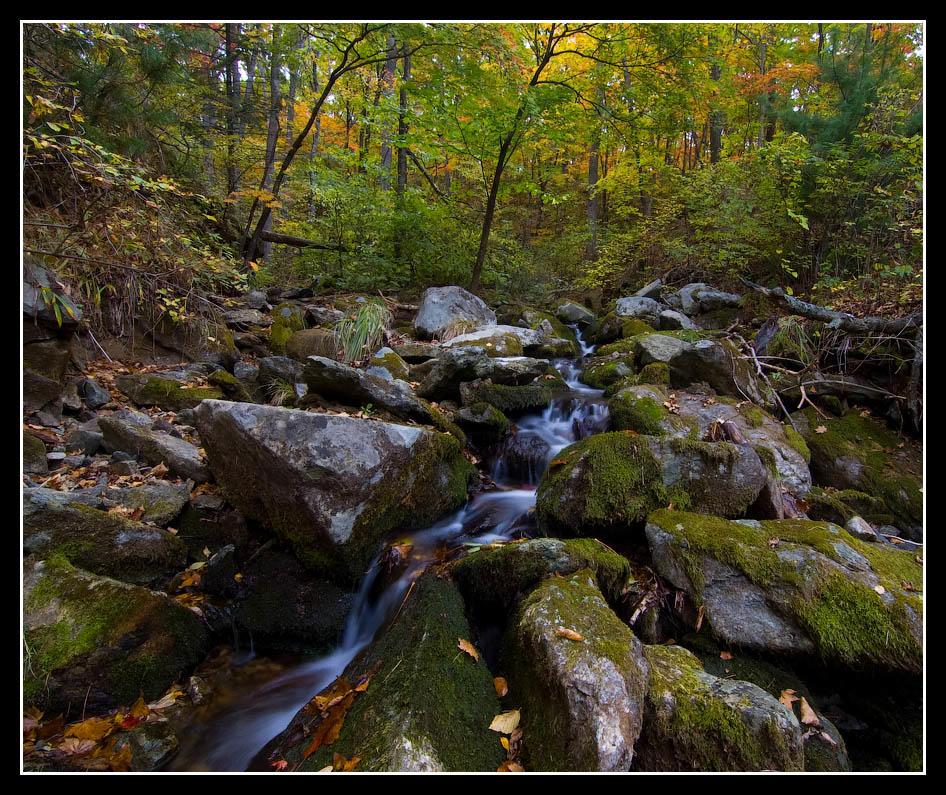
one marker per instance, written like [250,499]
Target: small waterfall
[234,737]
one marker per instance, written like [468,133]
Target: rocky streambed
[512,539]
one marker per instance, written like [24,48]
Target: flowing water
[231,738]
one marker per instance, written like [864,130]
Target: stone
[159,501]
[256,299]
[646,309]
[96,643]
[650,290]
[93,393]
[670,320]
[311,342]
[156,447]
[575,314]
[170,390]
[243,319]
[34,455]
[581,700]
[442,307]
[388,365]
[414,352]
[332,486]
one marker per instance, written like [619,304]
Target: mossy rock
[92,643]
[698,722]
[311,342]
[34,455]
[641,409]
[509,399]
[386,359]
[168,394]
[231,386]
[428,705]
[859,452]
[600,372]
[814,590]
[484,423]
[581,699]
[495,345]
[494,580]
[98,541]
[608,483]
[838,506]
[613,327]
[288,318]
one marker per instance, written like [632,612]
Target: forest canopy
[518,158]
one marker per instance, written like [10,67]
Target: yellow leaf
[510,767]
[564,632]
[808,716]
[469,648]
[504,742]
[140,709]
[788,697]
[501,685]
[505,722]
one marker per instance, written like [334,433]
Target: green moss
[485,423]
[797,442]
[442,423]
[287,319]
[654,373]
[630,412]
[166,393]
[599,373]
[230,385]
[498,345]
[391,362]
[753,414]
[767,456]
[690,727]
[508,399]
[836,506]
[423,690]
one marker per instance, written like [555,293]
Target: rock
[575,314]
[247,372]
[495,340]
[287,608]
[331,486]
[245,318]
[696,721]
[288,318]
[55,523]
[710,300]
[602,371]
[495,581]
[281,369]
[415,352]
[256,299]
[686,298]
[485,424]
[181,457]
[720,365]
[151,743]
[860,528]
[651,290]
[582,701]
[323,315]
[670,319]
[311,342]
[219,575]
[96,643]
[511,400]
[646,309]
[71,401]
[795,586]
[353,387]
[428,706]
[610,482]
[160,500]
[57,311]
[44,372]
[859,452]
[388,365]
[170,391]
[441,307]
[658,348]
[455,366]
[523,456]
[94,395]
[207,522]
[34,455]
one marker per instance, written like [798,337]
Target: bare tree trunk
[232,33]
[386,88]
[591,251]
[402,125]
[293,88]
[272,134]
[314,150]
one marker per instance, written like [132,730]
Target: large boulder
[34,455]
[858,452]
[311,342]
[695,721]
[575,314]
[581,697]
[58,523]
[332,486]
[719,364]
[495,340]
[443,307]
[609,483]
[354,387]
[427,705]
[125,431]
[508,398]
[636,306]
[484,424]
[795,586]
[95,643]
[171,391]
[455,366]
[155,501]
[45,363]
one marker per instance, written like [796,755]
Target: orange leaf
[93,729]
[501,685]
[808,716]
[725,655]
[564,632]
[469,648]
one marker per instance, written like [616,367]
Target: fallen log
[835,319]
[297,242]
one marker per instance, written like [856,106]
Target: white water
[241,731]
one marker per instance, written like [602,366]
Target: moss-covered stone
[494,580]
[608,483]
[166,393]
[838,506]
[387,359]
[696,721]
[858,452]
[602,371]
[581,701]
[485,423]
[311,342]
[231,387]
[510,400]
[34,455]
[654,373]
[288,318]
[428,705]
[92,643]
[614,327]
[642,412]
[499,344]
[856,603]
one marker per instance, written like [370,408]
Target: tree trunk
[591,251]
[402,128]
[387,90]
[490,210]
[232,33]
[272,134]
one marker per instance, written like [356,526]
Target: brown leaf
[344,765]
[774,542]
[330,727]
[76,747]
[140,709]
[279,764]
[788,697]
[564,632]
[91,729]
[469,648]
[808,716]
[510,767]
[501,686]
[725,655]
[505,722]
[821,429]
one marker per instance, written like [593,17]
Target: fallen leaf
[788,697]
[510,767]
[343,765]
[140,709]
[774,542]
[880,589]
[279,764]
[469,648]
[828,738]
[505,722]
[91,729]
[821,429]
[564,632]
[725,655]
[330,727]
[808,716]
[76,747]
[504,742]
[501,686]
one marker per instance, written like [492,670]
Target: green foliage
[357,336]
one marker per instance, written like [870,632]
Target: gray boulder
[646,309]
[671,320]
[331,486]
[576,314]
[122,432]
[442,306]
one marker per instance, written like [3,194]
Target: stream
[231,738]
